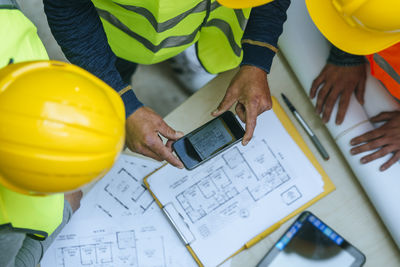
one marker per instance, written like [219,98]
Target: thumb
[169,133]
[225,104]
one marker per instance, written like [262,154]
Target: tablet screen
[311,243]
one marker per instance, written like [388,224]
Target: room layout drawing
[124,195]
[255,172]
[120,249]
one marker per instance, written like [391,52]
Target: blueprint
[105,244]
[245,187]
[119,225]
[233,177]
[122,193]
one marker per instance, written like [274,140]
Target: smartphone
[309,242]
[208,140]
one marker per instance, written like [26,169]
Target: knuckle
[159,123]
[266,105]
[255,101]
[149,140]
[367,146]
[382,142]
[330,101]
[387,149]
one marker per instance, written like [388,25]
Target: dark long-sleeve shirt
[341,58]
[77,28]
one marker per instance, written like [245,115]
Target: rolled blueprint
[307,50]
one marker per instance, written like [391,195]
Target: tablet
[309,242]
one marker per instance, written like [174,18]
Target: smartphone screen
[208,140]
[311,243]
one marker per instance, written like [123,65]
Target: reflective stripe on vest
[35,215]
[38,216]
[148,32]
[8,4]
[385,66]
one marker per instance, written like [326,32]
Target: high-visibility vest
[151,31]
[385,66]
[37,216]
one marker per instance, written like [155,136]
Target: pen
[307,128]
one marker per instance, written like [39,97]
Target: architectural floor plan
[121,192]
[126,190]
[119,249]
[232,177]
[119,225]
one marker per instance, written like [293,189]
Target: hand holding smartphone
[208,140]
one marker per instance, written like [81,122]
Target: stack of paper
[119,225]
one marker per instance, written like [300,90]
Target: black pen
[307,128]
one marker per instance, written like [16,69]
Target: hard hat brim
[353,40]
[238,4]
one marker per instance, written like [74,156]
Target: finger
[323,92]
[374,134]
[251,121]
[395,158]
[168,145]
[316,84]
[380,142]
[376,155]
[241,112]
[330,101]
[166,155]
[343,106]
[268,104]
[383,116]
[227,102]
[360,91]
[165,130]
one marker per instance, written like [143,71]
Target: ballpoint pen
[307,128]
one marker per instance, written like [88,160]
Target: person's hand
[249,88]
[74,199]
[385,138]
[338,82]
[143,130]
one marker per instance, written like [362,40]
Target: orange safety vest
[385,66]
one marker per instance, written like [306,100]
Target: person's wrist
[253,69]
[74,199]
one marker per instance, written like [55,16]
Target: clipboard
[294,134]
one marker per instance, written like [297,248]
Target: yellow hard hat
[243,3]
[60,127]
[360,27]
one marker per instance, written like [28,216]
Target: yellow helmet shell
[60,127]
[238,4]
[360,27]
